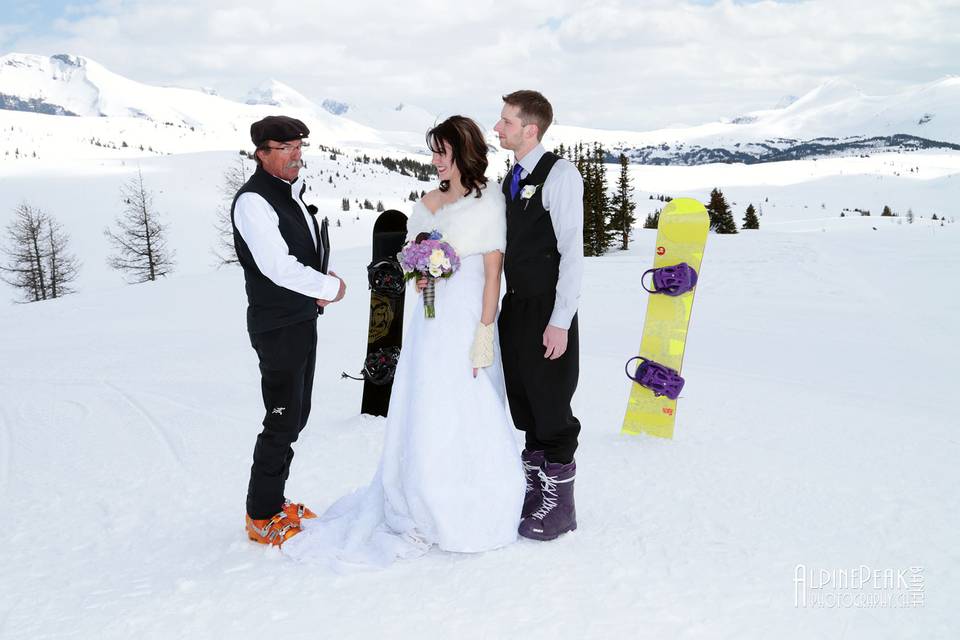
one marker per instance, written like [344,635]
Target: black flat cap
[279,128]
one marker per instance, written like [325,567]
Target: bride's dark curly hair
[465,139]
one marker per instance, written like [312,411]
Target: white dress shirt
[563,198]
[259,226]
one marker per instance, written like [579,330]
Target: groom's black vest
[271,306]
[531,263]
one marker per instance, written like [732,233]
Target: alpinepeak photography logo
[861,587]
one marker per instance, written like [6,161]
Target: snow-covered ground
[817,427]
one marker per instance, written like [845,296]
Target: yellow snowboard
[681,237]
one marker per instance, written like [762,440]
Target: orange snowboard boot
[297,510]
[273,531]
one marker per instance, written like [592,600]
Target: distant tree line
[37,260]
[422,171]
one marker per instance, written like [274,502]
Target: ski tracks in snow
[159,431]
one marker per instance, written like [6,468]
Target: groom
[539,342]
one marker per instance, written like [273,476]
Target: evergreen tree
[652,220]
[345,204]
[39,263]
[379,206]
[140,242]
[727,224]
[597,234]
[750,219]
[886,213]
[721,218]
[716,207]
[586,172]
[909,216]
[622,205]
[602,201]
[591,228]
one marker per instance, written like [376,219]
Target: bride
[450,473]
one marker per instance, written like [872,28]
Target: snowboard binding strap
[662,380]
[379,366]
[386,277]
[672,281]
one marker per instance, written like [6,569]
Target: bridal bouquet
[428,256]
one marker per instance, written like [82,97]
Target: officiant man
[277,239]
[539,338]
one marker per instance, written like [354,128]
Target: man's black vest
[532,262]
[271,306]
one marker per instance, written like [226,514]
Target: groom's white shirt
[563,198]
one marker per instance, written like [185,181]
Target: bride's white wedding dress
[450,472]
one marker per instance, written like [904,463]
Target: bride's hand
[421,284]
[475,372]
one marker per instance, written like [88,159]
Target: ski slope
[817,428]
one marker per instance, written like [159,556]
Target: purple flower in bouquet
[429,256]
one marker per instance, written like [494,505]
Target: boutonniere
[527,193]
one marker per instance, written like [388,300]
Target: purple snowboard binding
[672,281]
[663,381]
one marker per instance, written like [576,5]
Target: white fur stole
[470,225]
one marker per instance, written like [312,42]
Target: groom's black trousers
[288,356]
[539,390]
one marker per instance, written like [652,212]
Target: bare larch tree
[234,177]
[38,261]
[140,241]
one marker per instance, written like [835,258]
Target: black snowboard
[385,330]
[324,239]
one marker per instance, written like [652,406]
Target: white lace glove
[481,353]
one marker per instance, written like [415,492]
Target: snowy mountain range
[66,85]
[835,118]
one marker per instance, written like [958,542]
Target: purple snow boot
[532,463]
[557,513]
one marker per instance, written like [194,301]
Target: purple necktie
[515,181]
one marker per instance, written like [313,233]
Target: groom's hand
[555,342]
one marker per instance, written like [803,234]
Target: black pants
[539,390]
[288,356]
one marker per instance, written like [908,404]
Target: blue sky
[38,15]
